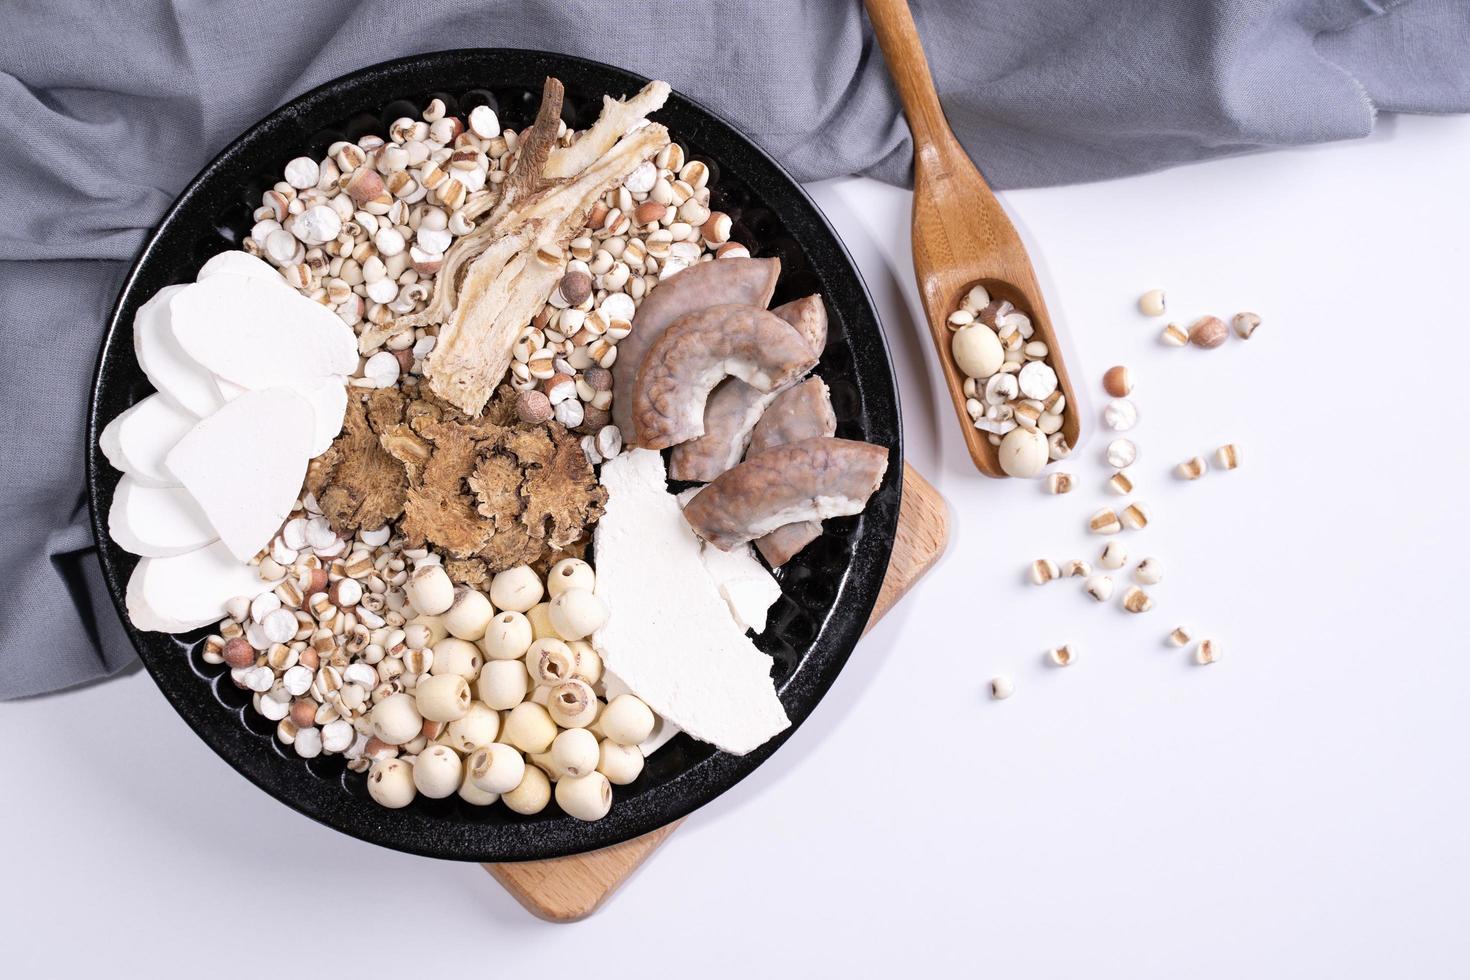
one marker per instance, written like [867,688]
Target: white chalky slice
[670,636]
[749,591]
[111,445]
[746,586]
[238,263]
[138,439]
[228,390]
[156,522]
[171,371]
[184,592]
[245,464]
[328,404]
[259,335]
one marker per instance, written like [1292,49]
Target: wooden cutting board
[571,888]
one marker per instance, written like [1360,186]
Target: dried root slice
[529,195]
[618,118]
[504,289]
[501,294]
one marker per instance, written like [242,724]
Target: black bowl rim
[679,795]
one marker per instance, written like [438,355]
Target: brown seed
[533,407]
[575,287]
[1118,381]
[405,360]
[303,712]
[238,653]
[599,378]
[1208,332]
[364,185]
[649,212]
[593,419]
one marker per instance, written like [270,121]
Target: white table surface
[1297,809]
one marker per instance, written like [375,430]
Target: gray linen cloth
[110,108]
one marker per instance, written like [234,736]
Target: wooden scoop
[961,234]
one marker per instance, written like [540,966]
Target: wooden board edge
[572,888]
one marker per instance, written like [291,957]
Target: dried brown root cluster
[489,492]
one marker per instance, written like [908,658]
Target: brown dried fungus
[490,492]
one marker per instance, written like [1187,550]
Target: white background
[1297,809]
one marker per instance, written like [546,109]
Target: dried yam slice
[172,371]
[238,263]
[187,591]
[261,336]
[157,522]
[137,440]
[245,464]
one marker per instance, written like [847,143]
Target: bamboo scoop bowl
[962,235]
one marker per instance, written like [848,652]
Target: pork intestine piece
[809,480]
[697,352]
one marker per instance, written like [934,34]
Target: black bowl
[828,591]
